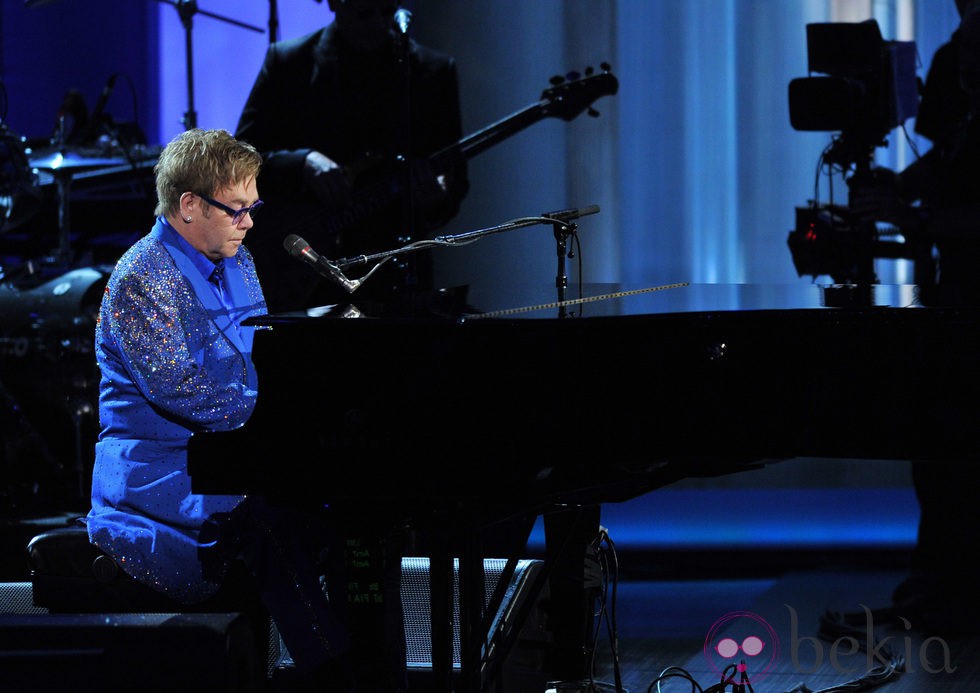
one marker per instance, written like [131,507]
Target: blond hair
[202,162]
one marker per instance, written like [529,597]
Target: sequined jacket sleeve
[168,367]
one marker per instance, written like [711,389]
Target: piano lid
[683,297]
[605,300]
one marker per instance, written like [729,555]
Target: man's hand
[429,188]
[879,199]
[328,181]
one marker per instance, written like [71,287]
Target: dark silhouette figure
[936,200]
[347,118]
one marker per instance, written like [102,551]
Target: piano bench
[69,575]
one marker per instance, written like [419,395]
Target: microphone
[569,214]
[402,19]
[96,117]
[299,248]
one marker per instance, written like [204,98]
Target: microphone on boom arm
[299,248]
[95,124]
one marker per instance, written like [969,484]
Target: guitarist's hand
[328,181]
[430,188]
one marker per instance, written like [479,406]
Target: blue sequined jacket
[174,360]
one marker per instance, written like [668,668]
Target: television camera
[864,87]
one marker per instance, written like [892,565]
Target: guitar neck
[565,100]
[491,135]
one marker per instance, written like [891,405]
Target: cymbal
[71,161]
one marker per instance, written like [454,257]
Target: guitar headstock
[573,93]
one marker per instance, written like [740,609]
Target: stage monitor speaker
[18,598]
[517,629]
[150,652]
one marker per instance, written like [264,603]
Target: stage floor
[675,611]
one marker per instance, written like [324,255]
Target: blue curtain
[693,163]
[711,169]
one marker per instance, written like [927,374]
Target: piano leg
[467,541]
[473,623]
[441,615]
[568,536]
[471,614]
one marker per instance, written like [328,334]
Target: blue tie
[218,275]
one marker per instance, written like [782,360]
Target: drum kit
[22,170]
[48,377]
[62,164]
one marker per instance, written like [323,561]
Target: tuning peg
[556,80]
[572,76]
[606,67]
[589,71]
[592,112]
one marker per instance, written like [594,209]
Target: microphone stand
[186,9]
[561,221]
[562,231]
[273,21]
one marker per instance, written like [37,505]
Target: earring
[188,220]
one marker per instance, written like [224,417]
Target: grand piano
[466,417]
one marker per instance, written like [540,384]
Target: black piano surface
[598,398]
[460,419]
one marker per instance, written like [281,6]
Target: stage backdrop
[693,163]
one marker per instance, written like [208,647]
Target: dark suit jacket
[312,93]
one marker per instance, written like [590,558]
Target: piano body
[466,420]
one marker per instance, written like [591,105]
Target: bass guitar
[567,98]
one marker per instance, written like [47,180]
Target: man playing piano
[175,359]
